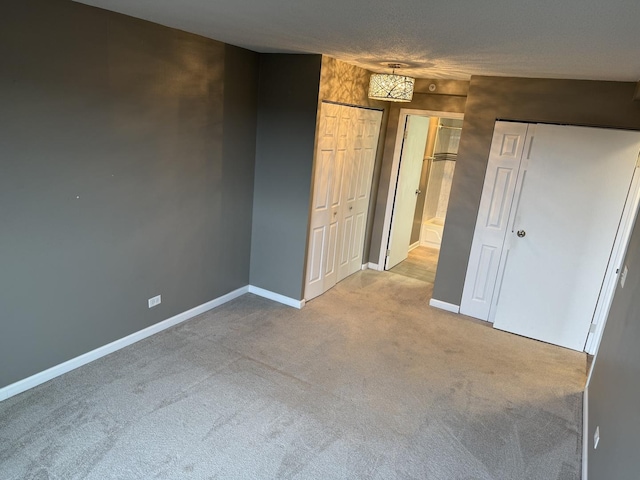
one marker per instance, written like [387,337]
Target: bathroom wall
[424,178]
[442,170]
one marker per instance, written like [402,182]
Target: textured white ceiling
[583,39]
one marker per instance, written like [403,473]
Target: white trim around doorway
[395,167]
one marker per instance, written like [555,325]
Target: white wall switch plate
[157,300]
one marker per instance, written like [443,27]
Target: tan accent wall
[347,84]
[341,82]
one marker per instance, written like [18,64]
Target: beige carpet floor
[367,381]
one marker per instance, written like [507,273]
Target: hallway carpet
[367,381]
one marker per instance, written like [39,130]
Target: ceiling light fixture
[391,87]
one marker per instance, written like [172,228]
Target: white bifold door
[550,212]
[345,156]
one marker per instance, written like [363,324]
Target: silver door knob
[521,233]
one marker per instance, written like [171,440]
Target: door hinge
[592,328]
[388,253]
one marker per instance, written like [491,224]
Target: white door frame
[615,267]
[395,169]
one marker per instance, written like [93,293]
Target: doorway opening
[422,173]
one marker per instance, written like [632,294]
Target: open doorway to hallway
[420,186]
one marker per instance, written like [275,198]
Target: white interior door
[327,197]
[500,181]
[564,227]
[357,189]
[404,206]
[352,165]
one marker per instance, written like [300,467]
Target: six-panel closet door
[550,214]
[345,156]
[357,176]
[493,220]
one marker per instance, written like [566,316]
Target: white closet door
[353,160]
[366,130]
[576,185]
[366,148]
[498,191]
[327,197]
[404,205]
[345,156]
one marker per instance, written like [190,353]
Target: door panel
[349,196]
[325,227]
[404,205]
[315,254]
[367,154]
[493,218]
[332,248]
[356,242]
[346,239]
[325,172]
[577,181]
[351,174]
[356,205]
[347,137]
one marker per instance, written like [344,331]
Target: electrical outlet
[623,276]
[157,300]
[596,437]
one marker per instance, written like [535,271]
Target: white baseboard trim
[276,297]
[585,434]
[365,266]
[57,370]
[374,266]
[449,307]
[414,245]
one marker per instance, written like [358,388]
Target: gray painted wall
[614,389]
[127,153]
[576,102]
[287,105]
